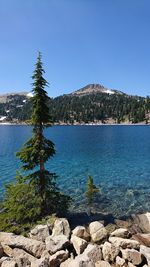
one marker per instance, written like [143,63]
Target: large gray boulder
[40,232]
[33,247]
[56,243]
[143,221]
[81,232]
[79,244]
[61,227]
[97,231]
[110,252]
[132,255]
[124,243]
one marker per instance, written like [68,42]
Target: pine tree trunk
[42,167]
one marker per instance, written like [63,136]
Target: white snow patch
[109,92]
[30,94]
[3,118]
[24,101]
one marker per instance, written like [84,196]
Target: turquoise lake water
[118,158]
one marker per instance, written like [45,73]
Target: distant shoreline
[81,124]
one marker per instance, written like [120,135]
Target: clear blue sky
[82,41]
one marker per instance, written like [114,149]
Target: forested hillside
[81,107]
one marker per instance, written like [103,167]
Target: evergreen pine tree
[36,194]
[38,149]
[91,190]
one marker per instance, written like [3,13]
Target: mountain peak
[95,88]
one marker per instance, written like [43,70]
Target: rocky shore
[123,244]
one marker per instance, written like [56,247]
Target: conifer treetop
[40,111]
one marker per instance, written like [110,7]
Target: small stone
[110,252]
[61,227]
[42,262]
[40,232]
[20,254]
[121,232]
[79,244]
[66,263]
[120,262]
[110,228]
[143,239]
[130,264]
[146,252]
[55,243]
[132,255]
[80,261]
[33,247]
[1,251]
[124,243]
[143,221]
[4,259]
[123,224]
[94,227]
[97,231]
[81,232]
[57,258]
[9,263]
[102,264]
[7,250]
[93,252]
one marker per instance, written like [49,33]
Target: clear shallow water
[118,157]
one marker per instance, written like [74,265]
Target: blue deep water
[118,158]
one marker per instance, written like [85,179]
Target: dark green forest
[92,107]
